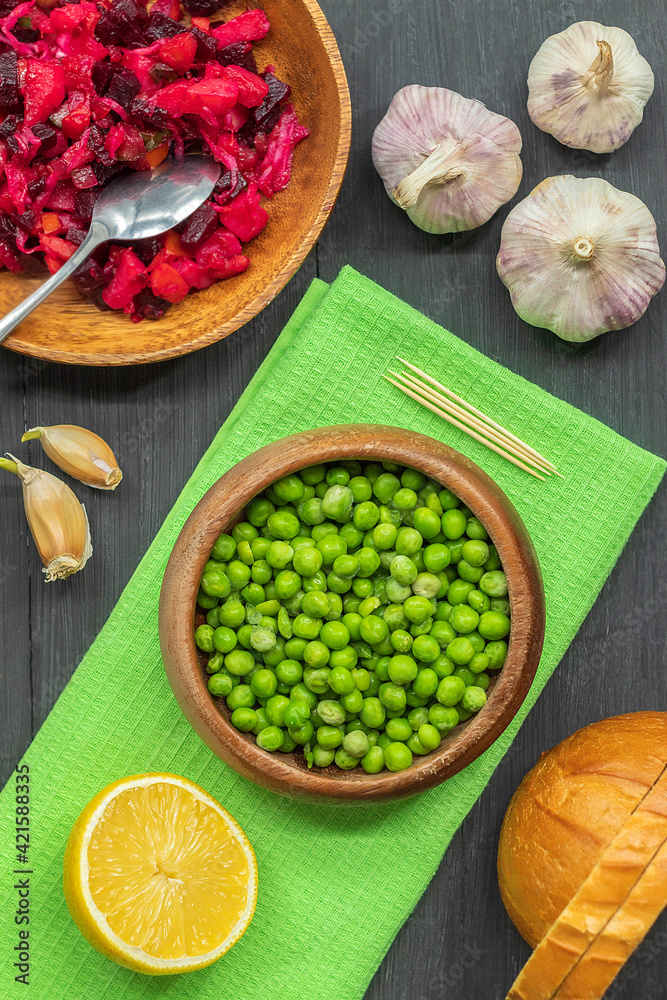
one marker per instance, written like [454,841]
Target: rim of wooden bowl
[22,344]
[216,511]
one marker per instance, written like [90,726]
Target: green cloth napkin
[321,868]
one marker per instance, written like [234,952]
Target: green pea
[473,699]
[310,511]
[493,562]
[346,658]
[436,557]
[244,532]
[426,522]
[244,719]
[333,634]
[475,529]
[344,760]
[450,691]
[264,683]
[244,635]
[217,584]
[306,627]
[346,566]
[337,503]
[408,542]
[494,583]
[329,737]
[500,604]
[397,757]
[402,669]
[372,712]
[457,592]
[320,531]
[493,625]
[361,488]
[384,536]
[241,696]
[341,680]
[239,662]
[425,683]
[356,744]
[316,679]
[205,600]
[369,561]
[385,486]
[453,523]
[316,604]
[373,762]
[383,741]
[399,729]
[231,613]
[475,552]
[352,621]
[353,701]
[479,663]
[463,619]
[417,609]
[279,554]
[392,696]
[496,652]
[460,651]
[401,641]
[220,685]
[479,602]
[373,629]
[331,547]
[396,592]
[428,736]
[272,738]
[289,672]
[366,515]
[443,666]
[443,718]
[204,638]
[259,547]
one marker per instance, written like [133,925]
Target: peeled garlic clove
[445,159]
[580,257]
[58,522]
[587,86]
[80,453]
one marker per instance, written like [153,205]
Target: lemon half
[158,876]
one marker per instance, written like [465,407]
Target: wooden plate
[219,509]
[303,49]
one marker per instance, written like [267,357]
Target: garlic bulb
[580,257]
[79,453]
[587,86]
[58,522]
[445,159]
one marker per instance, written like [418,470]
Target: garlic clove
[80,453]
[580,257]
[448,161]
[58,522]
[588,86]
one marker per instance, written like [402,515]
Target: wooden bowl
[68,329]
[218,511]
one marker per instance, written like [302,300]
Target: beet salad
[93,88]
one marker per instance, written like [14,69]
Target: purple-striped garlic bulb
[580,257]
[587,86]
[448,161]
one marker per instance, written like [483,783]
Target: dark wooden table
[459,943]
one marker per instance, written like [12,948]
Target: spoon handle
[97,234]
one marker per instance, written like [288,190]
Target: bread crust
[567,811]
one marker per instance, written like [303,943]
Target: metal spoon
[138,204]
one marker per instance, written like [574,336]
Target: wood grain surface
[459,944]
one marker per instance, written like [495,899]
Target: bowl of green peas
[352,613]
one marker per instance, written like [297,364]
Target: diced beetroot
[9,84]
[84,177]
[197,229]
[161,24]
[62,198]
[248,27]
[278,91]
[220,246]
[189,97]
[252,89]
[238,54]
[167,283]
[129,277]
[244,216]
[205,7]
[123,87]
[123,24]
[148,306]
[43,89]
[179,51]
[277,163]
